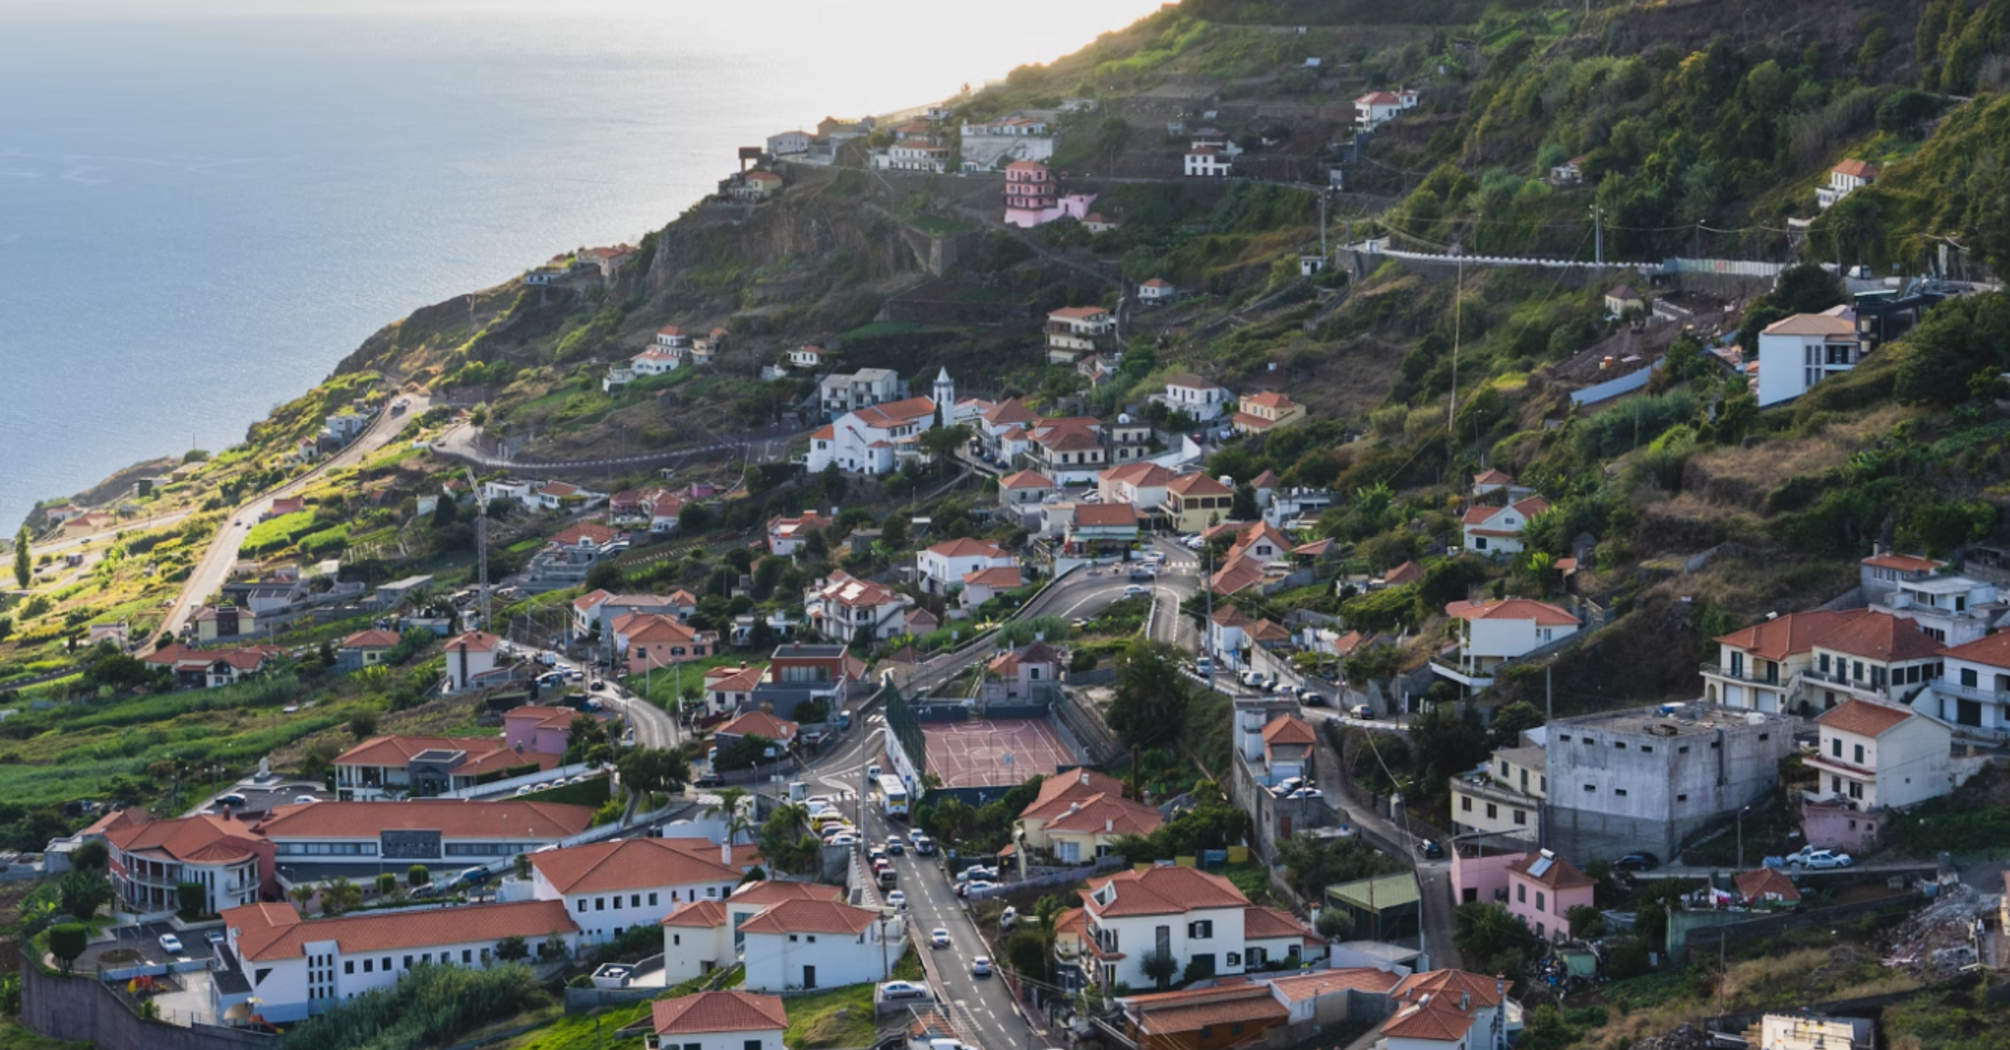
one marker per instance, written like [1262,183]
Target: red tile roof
[775,892]
[1106,515]
[718,1012]
[1325,982]
[1003,577]
[1862,169]
[1493,477]
[702,914]
[1289,730]
[1788,635]
[1881,636]
[1026,479]
[1166,891]
[1991,649]
[1511,609]
[1560,875]
[1408,572]
[1763,882]
[590,531]
[371,640]
[1073,786]
[474,642]
[761,724]
[1104,815]
[968,548]
[1436,1021]
[1197,485]
[1262,924]
[182,838]
[896,413]
[1230,1001]
[543,717]
[1378,98]
[1864,718]
[276,931]
[632,864]
[1486,991]
[484,753]
[1903,562]
[1079,313]
[811,916]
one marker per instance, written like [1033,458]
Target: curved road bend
[460,443]
[214,568]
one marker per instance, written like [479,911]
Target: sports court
[973,753]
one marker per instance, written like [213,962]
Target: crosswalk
[875,720]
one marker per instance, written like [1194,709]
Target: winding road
[210,573]
[462,443]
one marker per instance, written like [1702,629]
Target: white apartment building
[872,440]
[842,392]
[697,939]
[445,832]
[1872,761]
[611,887]
[1973,691]
[799,945]
[849,609]
[1202,399]
[297,967]
[1949,609]
[150,861]
[1077,330]
[1506,800]
[1797,352]
[1500,630]
[1497,530]
[1192,915]
[943,566]
[717,1021]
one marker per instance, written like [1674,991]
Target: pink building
[1542,888]
[538,728]
[1482,876]
[1033,197]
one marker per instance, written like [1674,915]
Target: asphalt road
[214,568]
[761,446]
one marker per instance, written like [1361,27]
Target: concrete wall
[1684,783]
[83,1010]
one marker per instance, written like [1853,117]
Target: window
[1765,736]
[467,955]
[1235,959]
[582,904]
[349,966]
[1859,754]
[1588,788]
[652,900]
[1621,792]
[366,966]
[1681,798]
[599,904]
[635,900]
[1493,811]
[751,1044]
[792,938]
[617,902]
[1968,677]
[387,964]
[1521,893]
[1835,746]
[1683,750]
[1647,749]
[408,962]
[1620,744]
[1539,903]
[1521,816]
[1200,931]
[1465,804]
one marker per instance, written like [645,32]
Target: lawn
[839,1017]
[278,532]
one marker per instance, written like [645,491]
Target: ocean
[205,205]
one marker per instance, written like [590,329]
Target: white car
[903,990]
[1007,917]
[980,966]
[938,938]
[171,944]
[915,836]
[1822,859]
[304,799]
[1134,591]
[845,839]
[897,899]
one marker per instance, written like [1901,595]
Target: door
[1968,713]
[809,977]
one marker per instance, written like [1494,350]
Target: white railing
[503,787]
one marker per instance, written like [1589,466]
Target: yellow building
[1196,501]
[1079,815]
[1265,412]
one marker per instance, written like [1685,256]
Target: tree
[553,946]
[513,948]
[1311,864]
[730,807]
[1586,921]
[24,567]
[1547,1030]
[418,875]
[1027,954]
[1510,722]
[942,442]
[1490,937]
[340,895]
[363,724]
[91,856]
[1159,965]
[893,532]
[302,895]
[605,576]
[694,518]
[653,770]
[1152,694]
[67,941]
[387,884]
[1243,506]
[84,892]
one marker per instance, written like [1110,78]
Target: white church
[878,439]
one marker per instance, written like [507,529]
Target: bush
[418,875]
[431,1006]
[66,942]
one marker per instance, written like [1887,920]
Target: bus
[893,794]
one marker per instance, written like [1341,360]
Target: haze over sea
[205,205]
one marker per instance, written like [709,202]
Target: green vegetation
[841,1017]
[430,1006]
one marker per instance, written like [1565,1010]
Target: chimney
[726,853]
[1109,824]
[1465,1000]
[1085,778]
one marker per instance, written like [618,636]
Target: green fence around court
[906,730]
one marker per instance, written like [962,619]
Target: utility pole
[1548,693]
[1324,259]
[1598,230]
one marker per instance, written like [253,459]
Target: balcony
[1980,694]
[1717,670]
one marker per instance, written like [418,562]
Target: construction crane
[481,543]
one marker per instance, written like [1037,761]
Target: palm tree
[302,895]
[729,807]
[340,895]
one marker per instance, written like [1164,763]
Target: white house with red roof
[150,859]
[1142,485]
[390,767]
[614,886]
[787,534]
[1972,693]
[717,1021]
[1880,574]
[1447,1010]
[1199,918]
[1871,761]
[211,668]
[1497,530]
[697,939]
[471,662]
[302,965]
[807,357]
[1076,330]
[942,568]
[1377,108]
[1497,631]
[1024,490]
[600,608]
[808,944]
[650,640]
[872,440]
[730,688]
[1203,399]
[982,585]
[1844,179]
[1156,290]
[849,609]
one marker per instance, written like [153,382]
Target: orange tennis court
[975,753]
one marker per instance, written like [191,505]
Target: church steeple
[945,395]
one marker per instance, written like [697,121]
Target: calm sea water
[205,205]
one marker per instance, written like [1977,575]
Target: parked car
[844,839]
[980,966]
[1823,859]
[304,799]
[1637,862]
[171,944]
[1361,711]
[938,938]
[1311,697]
[897,899]
[903,990]
[706,780]
[1135,591]
[1007,917]
[1430,850]
[915,836]
[1288,785]
[233,800]
[1307,792]
[215,937]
